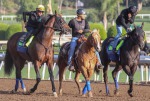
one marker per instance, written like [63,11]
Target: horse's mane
[47,18]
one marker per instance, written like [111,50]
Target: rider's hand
[129,16]
[80,31]
[129,30]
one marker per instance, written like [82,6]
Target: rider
[126,18]
[34,20]
[79,27]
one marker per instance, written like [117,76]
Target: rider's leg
[99,63]
[73,44]
[116,38]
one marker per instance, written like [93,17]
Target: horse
[39,51]
[84,62]
[129,58]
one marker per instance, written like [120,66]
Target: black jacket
[123,19]
[78,25]
[34,20]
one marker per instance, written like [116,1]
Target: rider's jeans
[73,45]
[116,38]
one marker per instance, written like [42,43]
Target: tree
[107,9]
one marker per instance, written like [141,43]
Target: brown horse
[84,62]
[39,51]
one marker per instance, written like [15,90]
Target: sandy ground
[70,92]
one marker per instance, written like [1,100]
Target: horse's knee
[38,80]
[131,78]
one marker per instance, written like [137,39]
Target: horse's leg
[19,63]
[133,70]
[87,85]
[37,64]
[90,73]
[62,65]
[106,79]
[114,73]
[50,70]
[77,75]
[130,73]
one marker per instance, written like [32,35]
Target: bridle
[61,25]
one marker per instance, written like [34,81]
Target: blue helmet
[133,9]
[80,12]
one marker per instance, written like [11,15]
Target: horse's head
[138,35]
[60,24]
[95,40]
[57,23]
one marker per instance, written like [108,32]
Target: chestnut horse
[39,51]
[85,62]
[129,58]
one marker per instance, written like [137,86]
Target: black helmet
[132,9]
[80,12]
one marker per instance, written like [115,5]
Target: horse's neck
[131,46]
[88,48]
[47,34]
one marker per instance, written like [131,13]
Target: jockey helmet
[40,8]
[80,12]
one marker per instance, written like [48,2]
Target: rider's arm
[132,19]
[123,21]
[87,27]
[25,14]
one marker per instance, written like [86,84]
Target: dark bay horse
[84,62]
[129,58]
[39,51]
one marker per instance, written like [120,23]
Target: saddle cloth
[114,56]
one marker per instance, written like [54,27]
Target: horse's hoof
[90,94]
[116,92]
[60,92]
[55,94]
[13,91]
[27,93]
[130,93]
[31,91]
[83,95]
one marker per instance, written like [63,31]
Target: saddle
[114,56]
[66,47]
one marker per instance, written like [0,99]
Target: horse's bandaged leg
[107,89]
[116,83]
[17,84]
[88,85]
[84,89]
[22,84]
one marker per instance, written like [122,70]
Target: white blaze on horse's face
[96,37]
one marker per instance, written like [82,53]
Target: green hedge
[12,29]
[112,32]
[101,29]
[3,29]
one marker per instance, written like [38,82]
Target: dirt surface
[70,92]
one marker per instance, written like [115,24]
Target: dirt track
[44,92]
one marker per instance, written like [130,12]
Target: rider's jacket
[78,25]
[124,20]
[33,20]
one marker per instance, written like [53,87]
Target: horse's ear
[55,12]
[142,25]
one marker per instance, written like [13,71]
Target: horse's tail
[8,63]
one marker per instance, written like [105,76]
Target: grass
[33,75]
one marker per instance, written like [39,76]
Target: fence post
[149,72]
[43,73]
[118,76]
[142,77]
[146,70]
[29,67]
